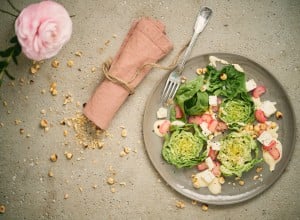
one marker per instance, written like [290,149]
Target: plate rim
[262,188]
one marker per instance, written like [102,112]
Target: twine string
[126,85]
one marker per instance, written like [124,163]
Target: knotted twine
[126,85]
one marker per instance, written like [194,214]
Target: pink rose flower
[43,29]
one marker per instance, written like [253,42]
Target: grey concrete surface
[265,31]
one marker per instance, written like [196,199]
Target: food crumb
[44,123]
[80,189]
[258,169]
[110,181]
[180,204]
[2,209]
[95,186]
[66,196]
[241,182]
[55,63]
[53,89]
[68,155]
[70,63]
[204,207]
[194,202]
[113,190]
[93,69]
[78,53]
[53,157]
[50,173]
[124,132]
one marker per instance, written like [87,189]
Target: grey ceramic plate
[232,192]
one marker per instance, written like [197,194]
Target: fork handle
[202,20]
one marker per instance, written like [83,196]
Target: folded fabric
[146,42]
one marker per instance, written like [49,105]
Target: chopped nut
[204,207]
[80,189]
[194,202]
[22,130]
[69,155]
[180,204]
[50,174]
[127,150]
[273,125]
[110,181]
[93,69]
[183,79]
[278,115]
[258,169]
[65,133]
[113,190]
[70,63]
[255,177]
[122,183]
[221,180]
[53,89]
[242,182]
[55,63]
[43,123]
[53,157]
[124,132]
[2,209]
[122,153]
[66,196]
[223,76]
[18,121]
[201,71]
[78,53]
[95,186]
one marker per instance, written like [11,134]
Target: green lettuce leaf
[231,87]
[184,147]
[190,99]
[238,154]
[237,112]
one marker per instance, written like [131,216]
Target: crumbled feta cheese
[268,108]
[213,100]
[209,163]
[250,85]
[207,176]
[178,123]
[257,102]
[162,113]
[265,138]
[204,127]
[215,145]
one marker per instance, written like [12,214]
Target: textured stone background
[265,31]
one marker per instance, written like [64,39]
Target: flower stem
[11,4]
[7,12]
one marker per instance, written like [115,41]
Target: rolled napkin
[146,42]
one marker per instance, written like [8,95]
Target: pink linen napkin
[146,42]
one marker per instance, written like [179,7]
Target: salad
[219,125]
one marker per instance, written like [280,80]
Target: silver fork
[174,81]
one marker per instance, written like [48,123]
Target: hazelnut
[53,157]
[223,76]
[2,209]
[278,114]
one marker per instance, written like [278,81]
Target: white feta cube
[207,176]
[213,100]
[265,138]
[162,113]
[209,163]
[204,127]
[250,85]
[268,108]
[215,145]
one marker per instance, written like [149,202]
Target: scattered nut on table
[2,209]
[53,157]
